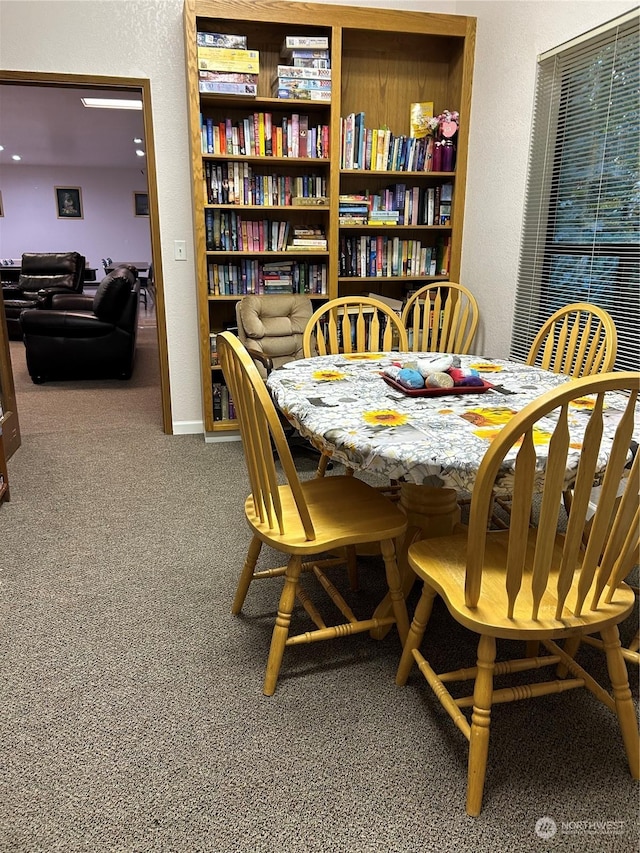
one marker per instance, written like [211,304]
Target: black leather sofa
[85,337]
[42,275]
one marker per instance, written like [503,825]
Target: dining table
[431,442]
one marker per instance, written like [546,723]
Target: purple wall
[108,227]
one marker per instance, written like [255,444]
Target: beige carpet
[92,405]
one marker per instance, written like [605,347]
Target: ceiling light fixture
[16,157]
[1,147]
[112,103]
[137,140]
[139,153]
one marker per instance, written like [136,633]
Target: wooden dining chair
[441,317]
[353,324]
[303,519]
[580,339]
[534,584]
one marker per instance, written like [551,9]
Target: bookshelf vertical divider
[381,62]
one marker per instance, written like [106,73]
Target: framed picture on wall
[69,202]
[141,204]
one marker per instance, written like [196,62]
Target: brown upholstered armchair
[42,275]
[272,326]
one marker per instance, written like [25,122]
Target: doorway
[129,88]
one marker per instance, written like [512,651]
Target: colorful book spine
[226,59]
[307,42]
[221,88]
[301,94]
[303,73]
[228,76]
[221,40]
[296,83]
[296,53]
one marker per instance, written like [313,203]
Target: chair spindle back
[441,317]
[259,426]
[580,573]
[353,324]
[579,339]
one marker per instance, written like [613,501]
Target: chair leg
[480,722]
[283,621]
[247,574]
[622,697]
[322,465]
[387,546]
[416,633]
[532,649]
[352,567]
[571,646]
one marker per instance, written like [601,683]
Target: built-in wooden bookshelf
[381,62]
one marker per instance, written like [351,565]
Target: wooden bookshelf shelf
[381,62]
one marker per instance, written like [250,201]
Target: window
[581,229]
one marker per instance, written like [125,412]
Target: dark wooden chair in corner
[535,584]
[303,519]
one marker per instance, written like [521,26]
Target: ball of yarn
[463,375]
[410,378]
[439,380]
[392,371]
[458,375]
[437,363]
[474,380]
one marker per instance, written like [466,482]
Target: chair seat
[344,511]
[446,558]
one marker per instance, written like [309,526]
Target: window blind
[581,230]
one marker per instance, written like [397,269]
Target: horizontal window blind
[581,231]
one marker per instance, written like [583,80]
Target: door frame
[142,86]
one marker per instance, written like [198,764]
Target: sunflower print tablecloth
[343,407]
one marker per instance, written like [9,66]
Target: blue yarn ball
[410,378]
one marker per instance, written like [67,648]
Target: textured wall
[131,38]
[510,36]
[144,39]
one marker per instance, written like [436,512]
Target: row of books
[250,276]
[226,66]
[227,231]
[238,183]
[308,77]
[301,83]
[258,135]
[223,407]
[366,256]
[378,149]
[398,205]
[292,46]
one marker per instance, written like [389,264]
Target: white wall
[510,36]
[31,222]
[141,38]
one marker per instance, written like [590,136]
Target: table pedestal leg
[431,512]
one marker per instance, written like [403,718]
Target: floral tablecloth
[345,408]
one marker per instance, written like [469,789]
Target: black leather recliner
[42,275]
[84,337]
